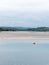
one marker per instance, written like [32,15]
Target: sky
[24,13]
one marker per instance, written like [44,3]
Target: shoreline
[22,38]
[23,35]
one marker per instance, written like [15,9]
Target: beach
[24,35]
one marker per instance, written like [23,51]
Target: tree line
[24,29]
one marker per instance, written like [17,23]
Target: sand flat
[24,35]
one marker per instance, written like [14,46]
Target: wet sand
[16,35]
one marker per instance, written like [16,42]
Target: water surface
[23,52]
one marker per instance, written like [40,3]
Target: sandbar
[16,35]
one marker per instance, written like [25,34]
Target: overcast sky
[27,13]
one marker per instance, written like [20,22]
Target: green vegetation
[24,29]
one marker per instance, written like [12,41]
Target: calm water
[22,52]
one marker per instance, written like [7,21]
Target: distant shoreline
[40,29]
[23,35]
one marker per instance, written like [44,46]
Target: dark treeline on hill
[24,29]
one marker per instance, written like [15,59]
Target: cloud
[31,13]
[24,5]
[26,20]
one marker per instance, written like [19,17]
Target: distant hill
[24,29]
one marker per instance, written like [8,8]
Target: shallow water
[23,52]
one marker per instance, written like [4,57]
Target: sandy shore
[8,35]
